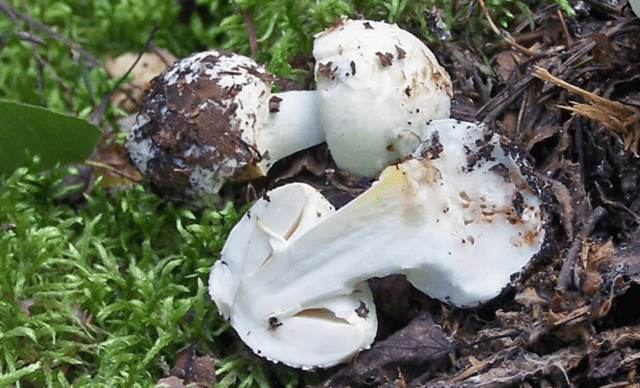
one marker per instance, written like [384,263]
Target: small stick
[251,31]
[160,55]
[14,13]
[507,39]
[110,168]
[38,58]
[565,28]
[565,278]
[98,112]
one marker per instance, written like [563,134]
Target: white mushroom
[376,84]
[211,118]
[269,227]
[458,219]
[635,6]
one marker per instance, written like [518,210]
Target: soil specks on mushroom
[386,59]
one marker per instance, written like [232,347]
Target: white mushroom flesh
[291,125]
[458,219]
[272,224]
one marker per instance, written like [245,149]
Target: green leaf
[55,138]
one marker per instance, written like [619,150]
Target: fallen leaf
[194,369]
[149,66]
[170,382]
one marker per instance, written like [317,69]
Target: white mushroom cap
[458,219]
[211,118]
[271,225]
[376,84]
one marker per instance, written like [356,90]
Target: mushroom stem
[291,126]
[457,242]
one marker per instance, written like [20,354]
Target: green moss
[114,288]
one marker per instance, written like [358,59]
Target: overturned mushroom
[376,84]
[211,118]
[458,219]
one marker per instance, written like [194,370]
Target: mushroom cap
[295,337]
[197,125]
[376,85]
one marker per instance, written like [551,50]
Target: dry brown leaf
[621,118]
[590,259]
[418,347]
[506,62]
[529,297]
[478,367]
[194,369]
[111,161]
[149,66]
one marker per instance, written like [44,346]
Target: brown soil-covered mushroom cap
[197,123]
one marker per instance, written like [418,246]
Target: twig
[96,115]
[15,14]
[584,48]
[30,38]
[578,144]
[142,51]
[565,278]
[37,56]
[43,63]
[616,205]
[160,55]
[504,36]
[614,115]
[521,113]
[565,29]
[108,167]
[493,107]
[251,31]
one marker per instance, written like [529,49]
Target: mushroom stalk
[458,219]
[291,126]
